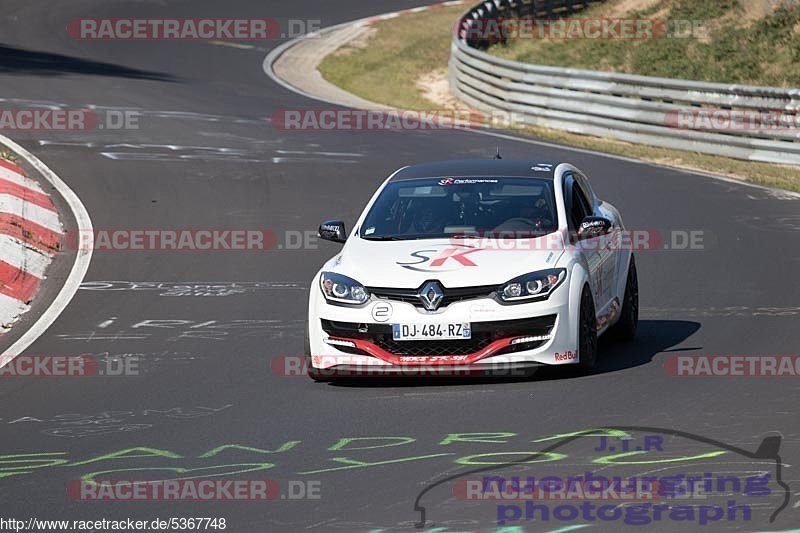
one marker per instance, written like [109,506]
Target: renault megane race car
[472,266]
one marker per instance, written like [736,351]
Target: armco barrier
[636,109]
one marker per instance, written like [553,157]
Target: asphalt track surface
[212,385]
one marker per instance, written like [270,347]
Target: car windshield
[446,207]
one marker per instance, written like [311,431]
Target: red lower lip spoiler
[428,360]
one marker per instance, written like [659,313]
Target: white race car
[472,267]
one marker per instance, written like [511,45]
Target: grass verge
[401,51]
[730,41]
[8,155]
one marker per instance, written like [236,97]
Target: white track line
[79,268]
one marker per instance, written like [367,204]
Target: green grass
[762,52]
[8,155]
[406,48]
[403,49]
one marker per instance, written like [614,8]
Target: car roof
[496,168]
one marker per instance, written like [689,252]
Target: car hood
[453,262]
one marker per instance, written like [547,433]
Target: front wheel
[625,328]
[587,333]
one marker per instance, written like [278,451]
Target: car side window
[579,207]
[585,207]
[583,186]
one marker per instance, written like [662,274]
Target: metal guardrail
[664,112]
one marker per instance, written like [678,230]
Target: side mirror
[592,227]
[332,230]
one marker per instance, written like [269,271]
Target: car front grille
[483,334]
[450,295]
[435,348]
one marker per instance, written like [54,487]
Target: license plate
[417,332]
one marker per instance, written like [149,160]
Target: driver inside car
[533,216]
[428,217]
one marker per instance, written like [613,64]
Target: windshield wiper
[384,238]
[409,237]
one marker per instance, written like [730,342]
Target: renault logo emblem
[431,295]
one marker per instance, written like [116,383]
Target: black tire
[312,372]
[587,333]
[625,328]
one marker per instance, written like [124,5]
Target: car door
[578,208]
[607,252]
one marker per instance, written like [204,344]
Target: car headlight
[341,289]
[534,286]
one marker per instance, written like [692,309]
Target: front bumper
[505,338]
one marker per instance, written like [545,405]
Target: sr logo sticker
[439,258]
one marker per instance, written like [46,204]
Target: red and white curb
[30,236]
